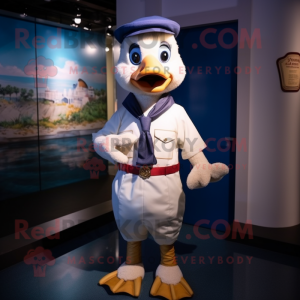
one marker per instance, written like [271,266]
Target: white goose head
[149,63]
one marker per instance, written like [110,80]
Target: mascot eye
[164,53]
[135,55]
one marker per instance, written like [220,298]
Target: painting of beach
[52,97]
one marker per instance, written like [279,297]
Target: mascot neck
[146,101]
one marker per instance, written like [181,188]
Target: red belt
[146,172]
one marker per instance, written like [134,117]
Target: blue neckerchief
[146,151]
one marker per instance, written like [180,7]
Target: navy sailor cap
[147,24]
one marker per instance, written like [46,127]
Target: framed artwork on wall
[52,97]
[289,72]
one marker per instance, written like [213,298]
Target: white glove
[114,147]
[203,172]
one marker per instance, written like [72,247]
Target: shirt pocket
[164,143]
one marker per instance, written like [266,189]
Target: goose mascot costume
[143,136]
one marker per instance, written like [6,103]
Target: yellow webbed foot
[171,291]
[117,285]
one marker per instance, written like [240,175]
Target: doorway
[209,95]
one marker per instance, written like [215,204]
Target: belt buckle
[145,172]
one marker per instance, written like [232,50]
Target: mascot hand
[198,177]
[203,172]
[115,147]
[218,171]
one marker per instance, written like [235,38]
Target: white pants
[155,205]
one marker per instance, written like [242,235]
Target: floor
[214,268]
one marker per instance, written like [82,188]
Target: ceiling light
[106,49]
[24,14]
[86,28]
[109,26]
[108,34]
[77,19]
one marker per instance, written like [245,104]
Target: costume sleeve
[101,143]
[189,139]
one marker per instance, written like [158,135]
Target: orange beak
[151,76]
